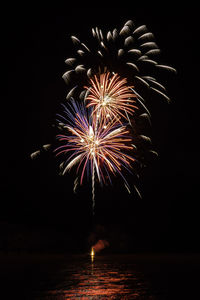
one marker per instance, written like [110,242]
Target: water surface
[138,276]
[101,278]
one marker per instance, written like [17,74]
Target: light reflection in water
[98,278]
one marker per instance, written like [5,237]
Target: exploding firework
[131,52]
[88,145]
[111,97]
[114,81]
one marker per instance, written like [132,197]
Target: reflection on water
[100,278]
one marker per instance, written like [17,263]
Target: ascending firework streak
[114,81]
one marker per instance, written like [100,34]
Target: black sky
[35,43]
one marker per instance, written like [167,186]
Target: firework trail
[110,85]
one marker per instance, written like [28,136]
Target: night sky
[35,43]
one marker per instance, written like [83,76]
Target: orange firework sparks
[111,97]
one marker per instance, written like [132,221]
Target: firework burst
[111,97]
[87,145]
[114,81]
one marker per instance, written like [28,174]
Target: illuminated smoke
[100,245]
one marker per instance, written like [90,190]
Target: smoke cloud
[100,245]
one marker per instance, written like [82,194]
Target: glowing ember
[92,252]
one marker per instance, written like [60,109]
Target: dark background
[38,207]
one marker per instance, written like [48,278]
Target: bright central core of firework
[92,142]
[110,96]
[106,100]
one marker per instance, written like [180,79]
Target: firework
[113,82]
[131,53]
[111,97]
[88,146]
